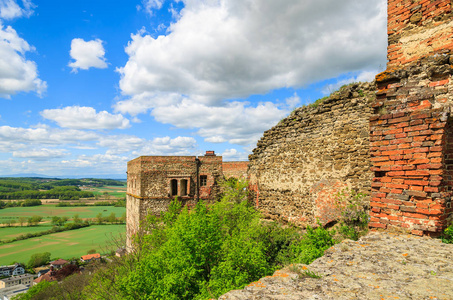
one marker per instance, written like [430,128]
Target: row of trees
[24,203]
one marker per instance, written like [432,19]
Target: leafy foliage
[204,252]
[39,259]
[448,235]
[354,214]
[312,245]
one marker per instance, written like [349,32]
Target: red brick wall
[236,169]
[411,143]
[417,29]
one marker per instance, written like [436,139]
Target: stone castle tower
[154,181]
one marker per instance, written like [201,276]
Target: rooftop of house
[47,277]
[90,256]
[13,278]
[59,261]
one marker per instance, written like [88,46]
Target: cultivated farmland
[68,244]
[48,211]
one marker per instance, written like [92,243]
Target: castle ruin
[391,139]
[154,181]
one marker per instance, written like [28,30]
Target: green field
[7,233]
[115,191]
[68,244]
[48,211]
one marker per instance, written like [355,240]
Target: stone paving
[380,265]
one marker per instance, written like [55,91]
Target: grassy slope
[66,244]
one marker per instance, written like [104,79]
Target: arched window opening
[183,187]
[174,187]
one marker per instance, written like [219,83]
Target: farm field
[7,233]
[48,211]
[68,244]
[115,191]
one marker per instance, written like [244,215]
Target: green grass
[68,244]
[48,211]
[7,233]
[115,191]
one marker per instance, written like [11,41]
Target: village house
[48,276]
[16,269]
[10,292]
[26,279]
[90,257]
[59,263]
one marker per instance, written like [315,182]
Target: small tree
[76,219]
[22,220]
[39,259]
[99,218]
[112,218]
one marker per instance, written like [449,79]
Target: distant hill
[120,177]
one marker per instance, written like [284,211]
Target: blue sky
[86,86]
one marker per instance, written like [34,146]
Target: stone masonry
[411,128]
[300,165]
[394,143]
[154,181]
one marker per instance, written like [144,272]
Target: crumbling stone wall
[418,28]
[300,165]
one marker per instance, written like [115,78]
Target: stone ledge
[380,265]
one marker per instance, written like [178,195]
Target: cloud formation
[77,117]
[17,74]
[228,49]
[87,55]
[219,52]
[9,9]
[41,154]
[42,144]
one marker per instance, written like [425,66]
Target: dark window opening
[183,187]
[203,180]
[173,187]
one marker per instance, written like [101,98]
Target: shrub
[354,214]
[448,235]
[312,245]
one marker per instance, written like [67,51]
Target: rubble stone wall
[300,165]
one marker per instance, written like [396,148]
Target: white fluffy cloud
[10,9]
[87,54]
[40,149]
[218,52]
[41,154]
[17,74]
[227,49]
[234,122]
[77,117]
[44,135]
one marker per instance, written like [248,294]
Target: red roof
[46,277]
[59,261]
[91,256]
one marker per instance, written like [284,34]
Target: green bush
[312,245]
[448,235]
[354,214]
